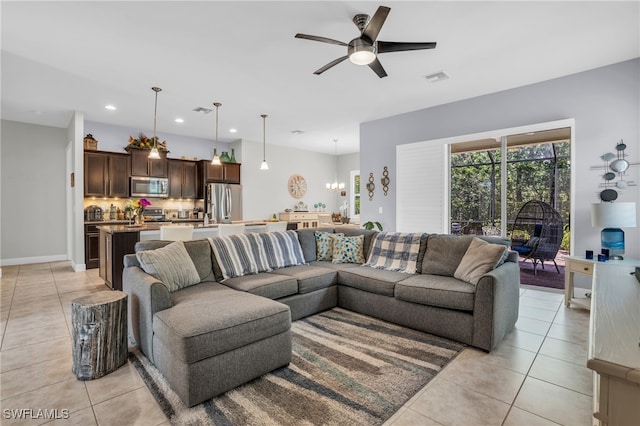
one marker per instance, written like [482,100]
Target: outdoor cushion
[372,280]
[395,251]
[208,326]
[171,265]
[480,258]
[273,286]
[310,278]
[437,290]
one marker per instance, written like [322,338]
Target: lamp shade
[613,215]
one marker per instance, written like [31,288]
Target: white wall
[265,191]
[33,175]
[605,103]
[75,136]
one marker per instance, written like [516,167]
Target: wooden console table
[304,219]
[614,338]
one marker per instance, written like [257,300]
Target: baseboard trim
[34,259]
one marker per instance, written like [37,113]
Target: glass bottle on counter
[206,219]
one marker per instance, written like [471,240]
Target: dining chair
[277,226]
[230,229]
[176,232]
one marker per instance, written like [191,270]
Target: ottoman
[205,347]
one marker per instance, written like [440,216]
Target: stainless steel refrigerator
[224,202]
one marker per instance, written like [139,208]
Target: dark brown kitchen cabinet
[91,246]
[183,178]
[106,174]
[142,165]
[113,246]
[224,173]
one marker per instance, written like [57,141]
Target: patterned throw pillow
[171,265]
[396,251]
[348,249]
[324,244]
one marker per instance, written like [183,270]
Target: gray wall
[605,103]
[33,177]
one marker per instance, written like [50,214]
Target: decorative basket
[90,143]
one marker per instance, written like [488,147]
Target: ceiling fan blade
[330,64]
[392,46]
[376,66]
[320,39]
[372,29]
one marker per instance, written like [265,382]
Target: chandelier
[335,186]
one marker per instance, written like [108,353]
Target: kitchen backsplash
[170,206]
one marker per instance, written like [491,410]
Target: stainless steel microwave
[149,187]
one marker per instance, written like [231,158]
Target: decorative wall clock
[384,180]
[297,186]
[371,186]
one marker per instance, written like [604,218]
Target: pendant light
[154,154]
[335,186]
[264,165]
[216,158]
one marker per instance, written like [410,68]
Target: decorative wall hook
[371,186]
[384,180]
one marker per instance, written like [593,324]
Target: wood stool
[99,323]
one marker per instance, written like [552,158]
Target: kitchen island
[119,239]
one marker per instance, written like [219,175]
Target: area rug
[347,368]
[547,277]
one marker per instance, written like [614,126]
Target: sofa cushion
[333,266]
[282,248]
[395,251]
[207,326]
[238,255]
[171,265]
[372,280]
[348,249]
[324,244]
[310,278]
[265,284]
[437,290]
[480,258]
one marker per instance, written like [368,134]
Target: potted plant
[369,225]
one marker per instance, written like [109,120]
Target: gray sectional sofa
[211,336]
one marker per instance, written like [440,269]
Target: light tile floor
[537,375]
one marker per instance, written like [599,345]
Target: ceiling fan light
[362,57]
[361,53]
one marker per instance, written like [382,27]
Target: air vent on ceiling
[202,110]
[436,77]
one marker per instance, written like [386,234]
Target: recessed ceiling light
[297,132]
[110,107]
[233,130]
[437,77]
[179,120]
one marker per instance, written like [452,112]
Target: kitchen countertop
[150,226]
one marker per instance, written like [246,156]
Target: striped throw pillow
[282,248]
[170,264]
[239,254]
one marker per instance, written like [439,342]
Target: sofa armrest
[496,305]
[147,296]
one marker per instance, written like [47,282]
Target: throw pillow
[396,251]
[170,264]
[480,258]
[324,244]
[348,249]
[235,255]
[282,249]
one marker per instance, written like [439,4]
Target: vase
[233,156]
[139,219]
[224,157]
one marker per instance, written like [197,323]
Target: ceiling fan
[363,50]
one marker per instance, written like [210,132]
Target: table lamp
[613,216]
